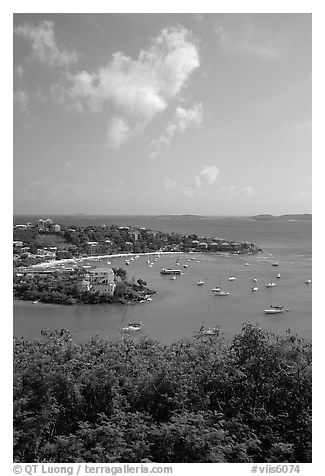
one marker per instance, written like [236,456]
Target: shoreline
[51,263]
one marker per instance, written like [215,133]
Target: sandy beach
[52,263]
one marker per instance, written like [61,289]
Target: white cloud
[246,43]
[247,191]
[141,88]
[232,191]
[21,98]
[207,176]
[118,132]
[44,44]
[182,120]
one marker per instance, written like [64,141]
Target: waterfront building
[102,281]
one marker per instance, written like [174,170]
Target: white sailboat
[218,291]
[200,281]
[270,285]
[131,326]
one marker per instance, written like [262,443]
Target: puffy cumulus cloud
[44,43]
[141,88]
[182,120]
[207,176]
[22,99]
[118,132]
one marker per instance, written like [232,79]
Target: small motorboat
[255,288]
[172,277]
[278,276]
[275,263]
[200,282]
[232,278]
[35,302]
[255,280]
[247,264]
[308,281]
[184,265]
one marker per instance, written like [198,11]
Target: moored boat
[210,331]
[273,310]
[132,327]
[170,271]
[220,292]
[270,285]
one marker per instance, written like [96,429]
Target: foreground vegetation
[198,400]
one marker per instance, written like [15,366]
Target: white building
[102,281]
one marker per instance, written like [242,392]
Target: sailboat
[208,331]
[131,326]
[200,281]
[219,292]
[274,309]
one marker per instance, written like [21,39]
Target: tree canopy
[197,400]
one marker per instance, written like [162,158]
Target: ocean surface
[180,307]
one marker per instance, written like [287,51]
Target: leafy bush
[198,400]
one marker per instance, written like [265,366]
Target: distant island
[295,216]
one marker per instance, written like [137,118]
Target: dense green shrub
[198,400]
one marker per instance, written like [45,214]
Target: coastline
[51,263]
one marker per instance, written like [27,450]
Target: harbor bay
[180,307]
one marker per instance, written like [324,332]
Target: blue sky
[162,113]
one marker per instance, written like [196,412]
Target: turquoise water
[180,307]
